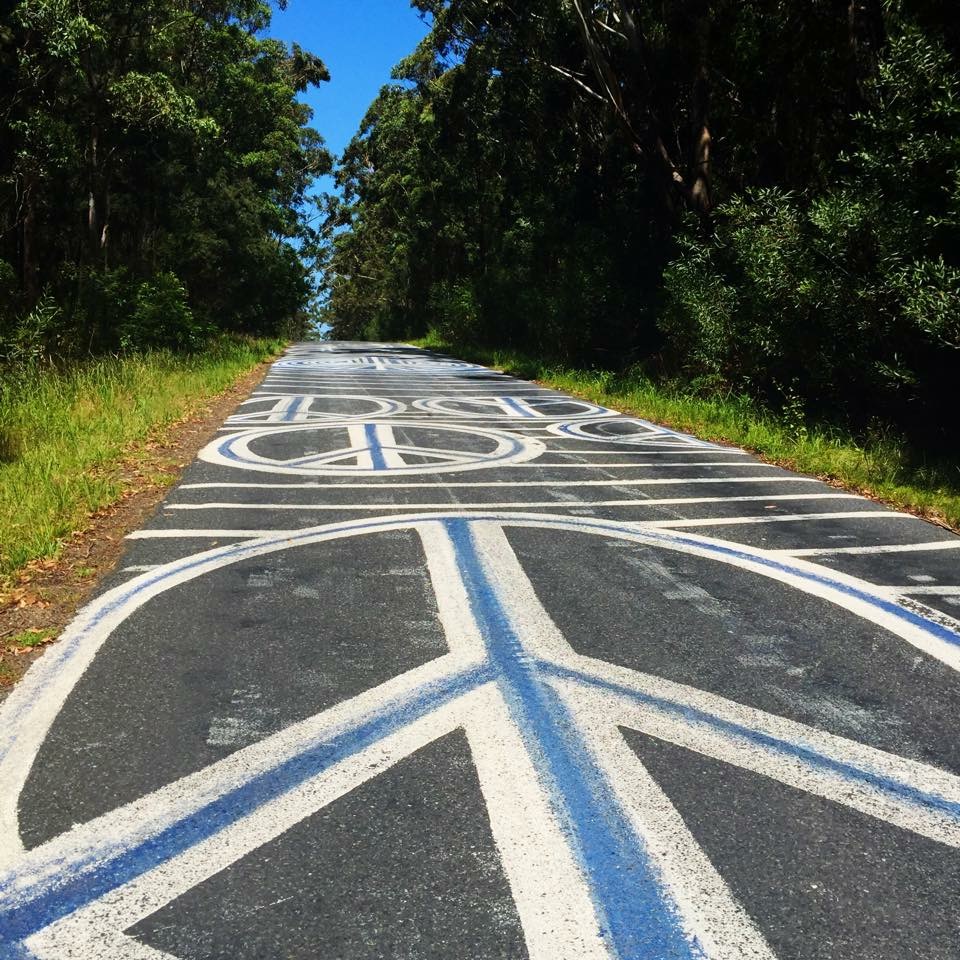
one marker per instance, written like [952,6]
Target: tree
[150,138]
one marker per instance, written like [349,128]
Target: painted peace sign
[513,408]
[300,408]
[373,448]
[599,862]
[628,430]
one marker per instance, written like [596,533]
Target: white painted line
[710,914]
[782,518]
[674,452]
[875,548]
[552,899]
[80,933]
[665,451]
[626,465]
[425,485]
[287,391]
[205,534]
[546,882]
[499,505]
[931,590]
[369,453]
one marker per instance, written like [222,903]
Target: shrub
[160,318]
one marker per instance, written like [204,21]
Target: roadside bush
[38,335]
[454,312]
[847,300]
[160,318]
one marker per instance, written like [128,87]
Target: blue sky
[360,41]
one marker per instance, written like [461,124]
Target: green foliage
[37,334]
[161,318]
[65,432]
[759,200]
[847,299]
[155,163]
[454,312]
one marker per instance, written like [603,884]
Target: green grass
[32,638]
[882,467]
[65,433]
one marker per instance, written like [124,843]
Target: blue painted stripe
[638,918]
[23,915]
[225,450]
[293,409]
[903,791]
[65,650]
[511,403]
[15,951]
[372,436]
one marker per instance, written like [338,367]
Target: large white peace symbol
[599,862]
[299,408]
[513,408]
[372,448]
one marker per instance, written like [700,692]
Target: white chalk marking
[550,892]
[932,590]
[875,548]
[235,452]
[782,518]
[168,534]
[499,505]
[27,717]
[301,408]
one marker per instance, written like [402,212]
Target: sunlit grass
[882,467]
[64,433]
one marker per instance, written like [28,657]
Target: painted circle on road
[354,449]
[424,365]
[309,408]
[140,856]
[628,430]
[513,408]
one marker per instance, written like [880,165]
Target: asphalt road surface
[421,661]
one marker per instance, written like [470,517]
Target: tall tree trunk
[98,204]
[29,264]
[701,194]
[867,36]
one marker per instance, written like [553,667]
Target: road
[422,661]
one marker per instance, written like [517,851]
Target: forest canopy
[739,195]
[155,168]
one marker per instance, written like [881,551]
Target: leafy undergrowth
[67,436]
[881,468]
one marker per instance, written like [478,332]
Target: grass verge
[65,435]
[881,468]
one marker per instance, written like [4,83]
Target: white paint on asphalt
[372,449]
[304,408]
[780,518]
[938,589]
[513,407]
[445,505]
[487,614]
[868,549]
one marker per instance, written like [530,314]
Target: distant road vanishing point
[423,661]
